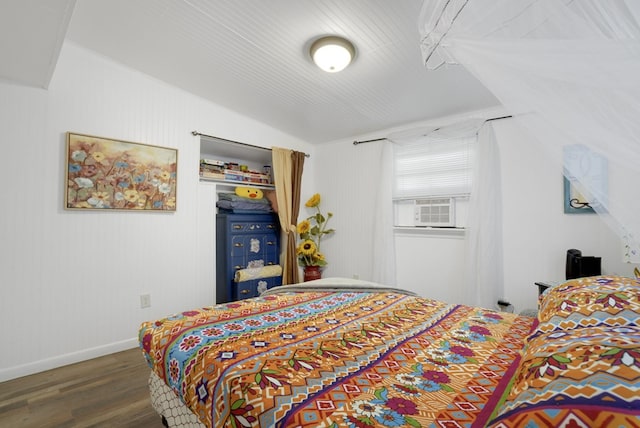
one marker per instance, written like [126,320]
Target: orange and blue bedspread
[581,365]
[338,359]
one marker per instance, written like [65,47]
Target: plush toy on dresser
[249,192]
[244,200]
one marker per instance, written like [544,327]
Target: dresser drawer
[245,248]
[251,226]
[254,287]
[246,289]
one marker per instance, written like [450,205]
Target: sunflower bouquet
[311,230]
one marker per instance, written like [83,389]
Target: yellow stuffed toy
[249,192]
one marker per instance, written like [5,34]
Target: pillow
[581,366]
[589,302]
[586,377]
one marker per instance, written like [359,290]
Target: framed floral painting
[102,173]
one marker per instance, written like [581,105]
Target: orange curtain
[287,172]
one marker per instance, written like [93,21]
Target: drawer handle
[244,292]
[238,244]
[271,243]
[270,263]
[236,267]
[237,226]
[270,226]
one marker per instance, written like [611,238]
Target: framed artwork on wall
[574,201]
[103,173]
[590,168]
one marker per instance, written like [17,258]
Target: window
[433,167]
[430,168]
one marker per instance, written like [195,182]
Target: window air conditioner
[438,212]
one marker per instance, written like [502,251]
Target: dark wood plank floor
[109,391]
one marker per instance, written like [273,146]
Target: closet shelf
[232,163]
[238,183]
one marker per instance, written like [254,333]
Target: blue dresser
[245,241]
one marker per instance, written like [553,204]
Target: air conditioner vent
[438,212]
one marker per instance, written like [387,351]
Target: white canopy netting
[569,72]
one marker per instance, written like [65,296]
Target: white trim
[440,232]
[66,359]
[413,198]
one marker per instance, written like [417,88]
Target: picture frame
[590,167]
[574,202]
[108,174]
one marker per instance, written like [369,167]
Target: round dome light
[332,53]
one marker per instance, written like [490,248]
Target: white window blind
[432,166]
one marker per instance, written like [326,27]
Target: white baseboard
[66,359]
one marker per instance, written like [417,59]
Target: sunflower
[310,232]
[313,201]
[307,247]
[304,227]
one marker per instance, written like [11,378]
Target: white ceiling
[252,57]
[31,35]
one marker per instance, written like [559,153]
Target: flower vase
[312,272]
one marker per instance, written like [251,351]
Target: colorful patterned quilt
[337,359]
[581,367]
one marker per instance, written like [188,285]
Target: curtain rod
[356,142]
[196,133]
[498,118]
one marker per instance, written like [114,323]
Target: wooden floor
[109,391]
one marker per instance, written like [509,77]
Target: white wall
[71,280]
[537,233]
[346,177]
[431,264]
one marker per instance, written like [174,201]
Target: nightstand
[543,285]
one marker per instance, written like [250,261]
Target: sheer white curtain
[384,249]
[569,71]
[484,283]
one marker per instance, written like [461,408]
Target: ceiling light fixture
[332,53]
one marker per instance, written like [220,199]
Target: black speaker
[572,267]
[589,265]
[579,266]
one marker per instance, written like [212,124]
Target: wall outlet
[145,300]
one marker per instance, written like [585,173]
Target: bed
[344,353]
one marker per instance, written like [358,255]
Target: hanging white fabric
[384,249]
[484,280]
[569,71]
